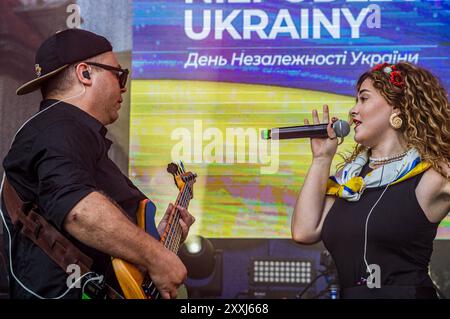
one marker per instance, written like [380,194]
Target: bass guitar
[136,284]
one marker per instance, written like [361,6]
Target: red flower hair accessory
[380,66]
[395,77]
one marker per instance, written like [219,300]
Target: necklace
[386,159]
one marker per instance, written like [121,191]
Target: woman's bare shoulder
[433,195]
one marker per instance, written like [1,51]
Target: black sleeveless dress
[400,241]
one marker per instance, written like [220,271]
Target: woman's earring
[395,121]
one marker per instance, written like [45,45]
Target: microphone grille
[341,128]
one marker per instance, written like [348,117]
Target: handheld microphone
[340,127]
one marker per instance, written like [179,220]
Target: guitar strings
[171,242]
[175,232]
[183,198]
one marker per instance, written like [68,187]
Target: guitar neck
[133,282]
[173,232]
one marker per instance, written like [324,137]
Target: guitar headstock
[172,168]
[180,176]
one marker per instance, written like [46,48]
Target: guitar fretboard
[173,232]
[171,237]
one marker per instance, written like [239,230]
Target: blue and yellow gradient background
[236,200]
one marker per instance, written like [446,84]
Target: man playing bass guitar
[58,165]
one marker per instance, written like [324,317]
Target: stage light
[197,254]
[194,245]
[204,266]
[281,272]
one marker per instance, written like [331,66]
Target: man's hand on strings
[186,220]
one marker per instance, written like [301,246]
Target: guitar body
[131,279]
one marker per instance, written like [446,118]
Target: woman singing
[379,214]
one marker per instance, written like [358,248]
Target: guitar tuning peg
[182,167]
[172,168]
[180,171]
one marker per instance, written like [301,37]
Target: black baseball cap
[61,50]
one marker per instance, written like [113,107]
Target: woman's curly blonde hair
[423,104]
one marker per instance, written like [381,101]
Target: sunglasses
[122,74]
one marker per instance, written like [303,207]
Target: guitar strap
[35,227]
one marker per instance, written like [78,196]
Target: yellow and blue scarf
[350,185]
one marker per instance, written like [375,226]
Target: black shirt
[399,238]
[58,158]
